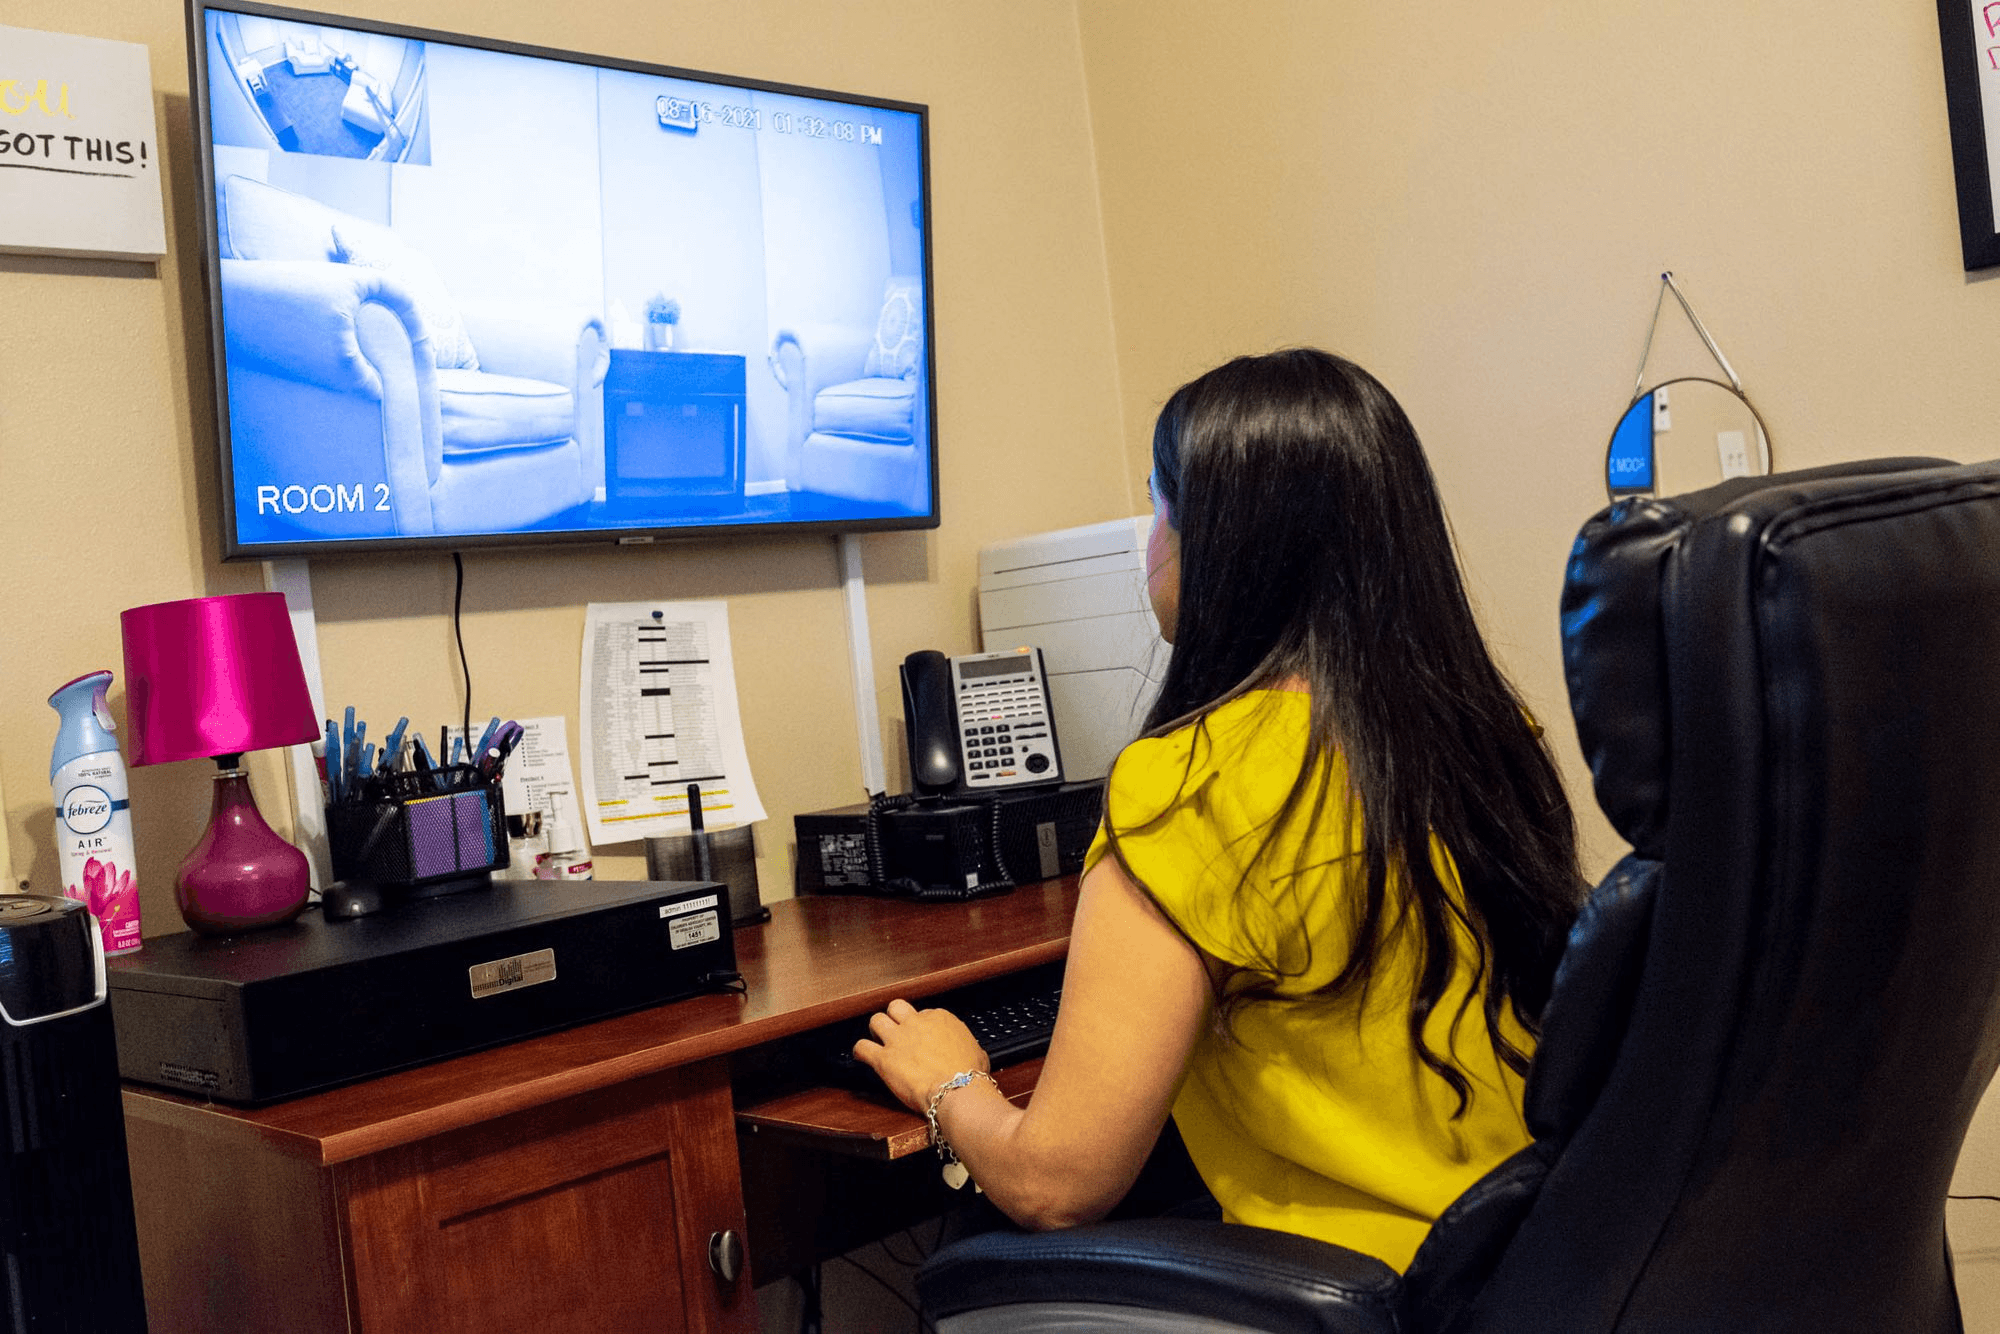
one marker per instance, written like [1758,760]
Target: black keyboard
[1012,1021]
[1016,1030]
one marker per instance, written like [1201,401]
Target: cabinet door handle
[725,1254]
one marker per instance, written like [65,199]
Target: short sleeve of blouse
[1191,812]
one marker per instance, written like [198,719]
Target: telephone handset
[979,723]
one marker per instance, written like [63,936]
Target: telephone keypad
[999,721]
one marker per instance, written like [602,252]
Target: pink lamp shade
[213,676]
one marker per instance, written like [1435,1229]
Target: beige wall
[1476,203]
[106,429]
[1478,208]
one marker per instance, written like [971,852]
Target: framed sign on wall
[1969,32]
[79,153]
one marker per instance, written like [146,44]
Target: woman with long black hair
[1321,917]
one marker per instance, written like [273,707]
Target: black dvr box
[272,1014]
[833,851]
[953,843]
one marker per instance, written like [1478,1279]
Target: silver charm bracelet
[955,1174]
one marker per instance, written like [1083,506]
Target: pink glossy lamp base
[241,875]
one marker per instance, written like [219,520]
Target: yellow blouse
[1309,1117]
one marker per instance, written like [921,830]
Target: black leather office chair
[1774,1018]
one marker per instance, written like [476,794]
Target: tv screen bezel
[235,550]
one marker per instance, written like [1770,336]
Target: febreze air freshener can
[94,812]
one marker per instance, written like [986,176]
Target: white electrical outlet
[1663,417]
[1732,449]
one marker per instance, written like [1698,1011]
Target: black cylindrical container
[68,1242]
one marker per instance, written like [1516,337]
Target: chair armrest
[564,347]
[1470,1238]
[299,319]
[1248,1276]
[826,353]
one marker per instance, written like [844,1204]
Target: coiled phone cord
[903,886]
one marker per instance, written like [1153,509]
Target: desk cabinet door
[591,1215]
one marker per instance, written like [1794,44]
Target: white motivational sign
[79,152]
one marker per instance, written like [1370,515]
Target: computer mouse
[345,899]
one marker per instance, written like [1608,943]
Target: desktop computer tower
[69,1247]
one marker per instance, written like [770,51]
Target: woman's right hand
[915,1050]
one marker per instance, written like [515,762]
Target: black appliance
[949,848]
[317,1002]
[70,1241]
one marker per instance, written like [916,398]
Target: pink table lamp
[215,677]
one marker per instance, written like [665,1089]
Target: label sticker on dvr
[697,929]
[687,905]
[188,1077]
[511,974]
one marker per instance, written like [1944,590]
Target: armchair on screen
[1774,1018]
[364,400]
[857,412]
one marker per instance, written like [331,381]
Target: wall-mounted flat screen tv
[464,292]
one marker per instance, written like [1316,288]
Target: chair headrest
[1616,604]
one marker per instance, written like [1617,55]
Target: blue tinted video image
[467,292]
[1629,467]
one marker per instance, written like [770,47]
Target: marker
[703,866]
[319,764]
[494,757]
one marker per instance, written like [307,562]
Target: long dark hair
[1314,547]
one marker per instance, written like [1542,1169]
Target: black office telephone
[980,729]
[980,723]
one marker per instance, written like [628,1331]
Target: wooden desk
[569,1182]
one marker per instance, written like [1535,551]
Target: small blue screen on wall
[1628,469]
[469,293]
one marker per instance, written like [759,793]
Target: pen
[350,765]
[339,759]
[329,761]
[392,749]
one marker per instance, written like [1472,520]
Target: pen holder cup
[732,858]
[422,833]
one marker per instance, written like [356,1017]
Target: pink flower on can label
[109,892]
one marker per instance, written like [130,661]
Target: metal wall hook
[1667,284]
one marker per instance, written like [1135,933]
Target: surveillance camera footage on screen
[473,293]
